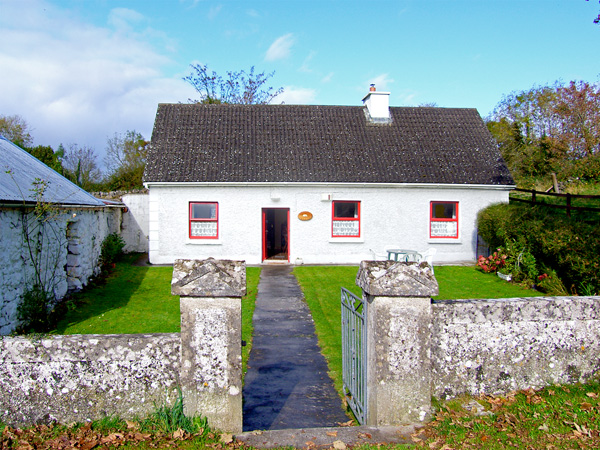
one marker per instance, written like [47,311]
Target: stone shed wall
[80,377]
[71,253]
[497,346]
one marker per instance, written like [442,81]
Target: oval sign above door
[305,215]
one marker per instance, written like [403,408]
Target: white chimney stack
[378,105]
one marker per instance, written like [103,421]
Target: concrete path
[286,385]
[324,438]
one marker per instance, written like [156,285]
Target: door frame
[264,231]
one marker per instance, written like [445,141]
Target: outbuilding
[319,184]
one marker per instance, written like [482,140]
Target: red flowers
[493,262]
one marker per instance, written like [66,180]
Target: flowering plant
[492,263]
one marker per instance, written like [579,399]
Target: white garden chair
[427,256]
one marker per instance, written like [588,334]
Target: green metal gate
[354,354]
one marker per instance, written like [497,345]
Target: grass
[137,299]
[132,299]
[556,417]
[166,427]
[456,282]
[321,287]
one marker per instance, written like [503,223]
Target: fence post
[398,340]
[568,205]
[211,354]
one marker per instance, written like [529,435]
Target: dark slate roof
[294,143]
[15,187]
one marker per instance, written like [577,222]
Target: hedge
[568,246]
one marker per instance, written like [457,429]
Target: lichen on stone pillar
[396,279]
[209,278]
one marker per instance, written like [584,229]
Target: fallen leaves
[346,424]
[339,445]
[86,438]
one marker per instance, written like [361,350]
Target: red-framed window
[345,219]
[204,220]
[443,222]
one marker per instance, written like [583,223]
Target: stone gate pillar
[211,339]
[398,325]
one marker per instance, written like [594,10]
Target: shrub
[568,246]
[111,249]
[520,262]
[34,311]
[549,283]
[586,169]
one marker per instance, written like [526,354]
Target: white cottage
[318,184]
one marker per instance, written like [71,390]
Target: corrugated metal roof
[25,169]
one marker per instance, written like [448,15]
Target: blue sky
[80,70]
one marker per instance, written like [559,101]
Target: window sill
[444,241]
[347,240]
[204,242]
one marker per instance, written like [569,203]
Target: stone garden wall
[416,349]
[498,346]
[86,377]
[421,348]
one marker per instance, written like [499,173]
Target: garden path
[286,385]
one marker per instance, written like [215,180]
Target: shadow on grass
[88,309]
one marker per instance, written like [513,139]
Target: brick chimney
[378,106]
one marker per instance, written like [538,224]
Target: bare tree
[81,167]
[241,87]
[597,19]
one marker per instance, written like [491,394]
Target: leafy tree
[241,87]
[549,128]
[48,156]
[81,168]
[15,129]
[578,107]
[126,160]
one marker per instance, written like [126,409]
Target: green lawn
[132,300]
[136,299]
[321,287]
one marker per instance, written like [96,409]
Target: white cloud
[214,12]
[296,96]
[124,18]
[305,67]
[281,48]
[407,97]
[327,78]
[74,82]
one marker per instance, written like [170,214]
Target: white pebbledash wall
[80,235]
[134,225]
[392,216]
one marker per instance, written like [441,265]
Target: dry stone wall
[498,346]
[86,377]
